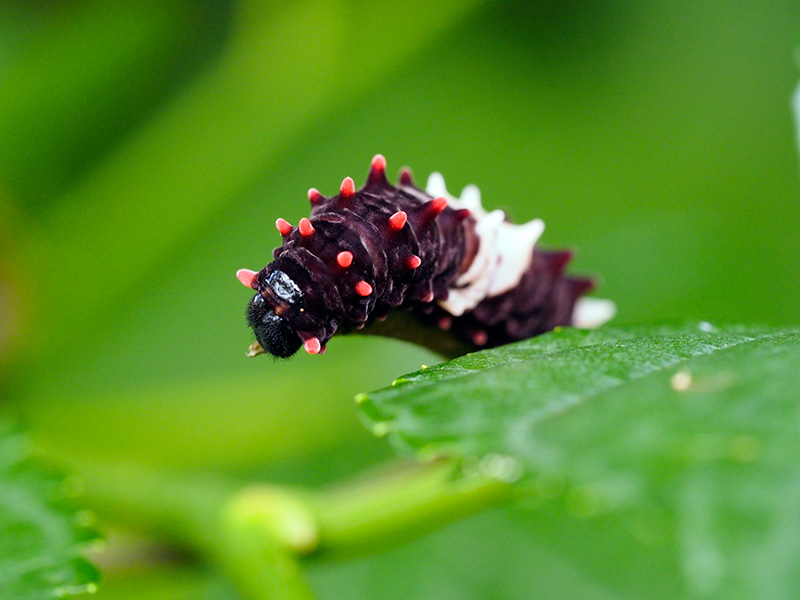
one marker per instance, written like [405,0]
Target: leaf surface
[674,442]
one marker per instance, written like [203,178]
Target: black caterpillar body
[364,252]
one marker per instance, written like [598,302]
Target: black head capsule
[274,334]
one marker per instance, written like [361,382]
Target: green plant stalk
[248,550]
[167,505]
[259,534]
[205,515]
[380,512]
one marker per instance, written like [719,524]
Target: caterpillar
[454,265]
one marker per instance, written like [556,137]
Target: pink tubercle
[314,196]
[312,345]
[348,187]
[344,259]
[398,220]
[284,227]
[378,163]
[305,227]
[248,278]
[363,288]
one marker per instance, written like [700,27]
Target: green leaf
[675,443]
[40,542]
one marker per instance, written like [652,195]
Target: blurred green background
[147,148]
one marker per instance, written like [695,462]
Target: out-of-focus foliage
[145,151]
[40,542]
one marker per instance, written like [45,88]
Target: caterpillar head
[277,298]
[273,334]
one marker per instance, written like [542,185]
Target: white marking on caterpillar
[592,312]
[504,254]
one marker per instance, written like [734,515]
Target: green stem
[383,511]
[245,532]
[258,534]
[168,505]
[252,546]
